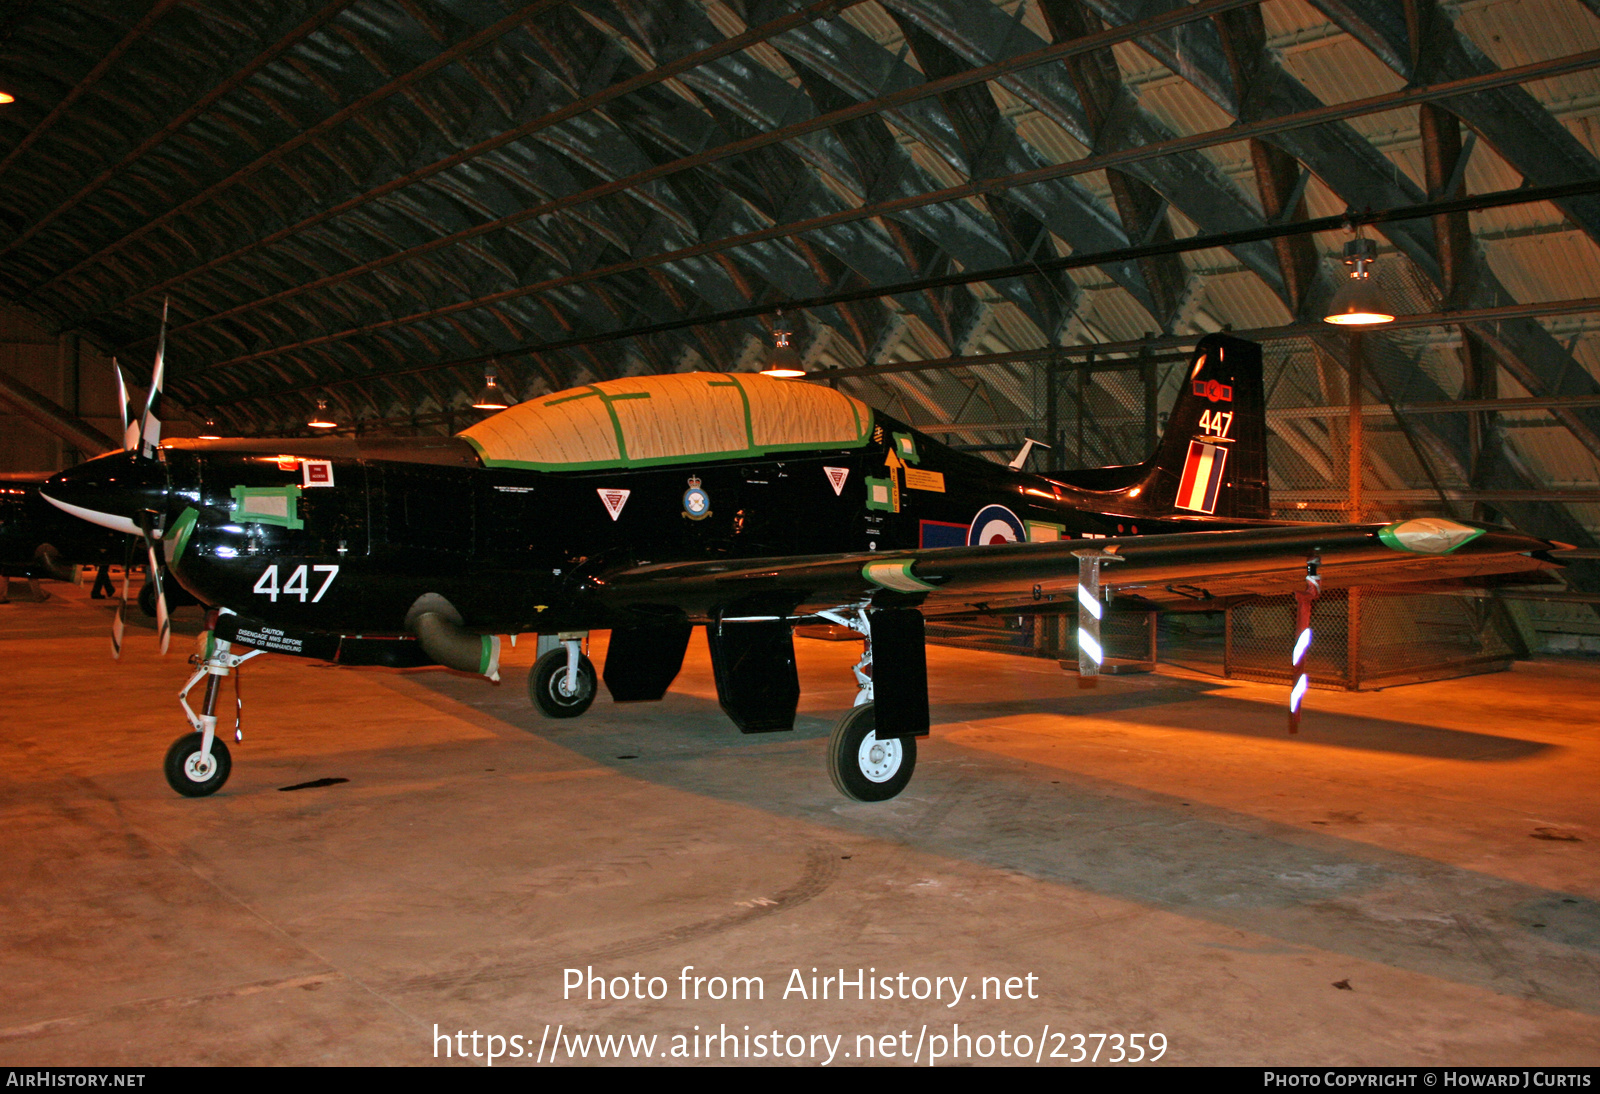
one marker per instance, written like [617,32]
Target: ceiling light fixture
[1358,302]
[321,419]
[6,98]
[491,397]
[784,362]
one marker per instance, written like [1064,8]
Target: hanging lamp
[1358,302]
[321,419]
[491,397]
[783,363]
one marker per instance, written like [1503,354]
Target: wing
[1155,571]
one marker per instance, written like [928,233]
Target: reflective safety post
[1302,641]
[1091,609]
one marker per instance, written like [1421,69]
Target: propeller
[142,438]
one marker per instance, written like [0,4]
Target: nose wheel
[863,767]
[193,772]
[198,763]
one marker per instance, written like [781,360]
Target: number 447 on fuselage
[648,506]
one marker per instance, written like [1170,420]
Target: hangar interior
[993,219]
[369,205]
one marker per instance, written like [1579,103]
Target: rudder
[1212,460]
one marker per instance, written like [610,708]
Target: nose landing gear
[199,765]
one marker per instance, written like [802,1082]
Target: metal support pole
[1357,427]
[1083,398]
[1302,641]
[1227,643]
[1052,414]
[1352,634]
[1352,640]
[1147,372]
[1091,609]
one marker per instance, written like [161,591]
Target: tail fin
[1212,459]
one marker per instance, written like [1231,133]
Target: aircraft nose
[112,491]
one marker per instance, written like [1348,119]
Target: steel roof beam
[1274,126]
[105,64]
[1106,103]
[1501,314]
[906,96]
[545,120]
[1363,176]
[309,134]
[239,76]
[1419,42]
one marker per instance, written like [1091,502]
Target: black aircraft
[38,540]
[746,504]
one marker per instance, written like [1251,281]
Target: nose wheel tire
[863,767]
[190,774]
[547,686]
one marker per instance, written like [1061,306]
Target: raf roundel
[696,502]
[995,524]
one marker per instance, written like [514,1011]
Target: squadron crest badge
[696,502]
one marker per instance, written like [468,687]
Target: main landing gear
[198,763]
[562,682]
[863,767]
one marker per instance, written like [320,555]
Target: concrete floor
[1414,880]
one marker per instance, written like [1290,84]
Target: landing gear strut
[863,767]
[199,765]
[562,683]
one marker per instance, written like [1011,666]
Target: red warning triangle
[836,476]
[614,500]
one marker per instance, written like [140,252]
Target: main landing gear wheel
[547,685]
[187,771]
[863,767]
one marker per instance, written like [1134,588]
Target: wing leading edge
[1160,571]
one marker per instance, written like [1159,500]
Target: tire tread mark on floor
[822,866]
[172,1002]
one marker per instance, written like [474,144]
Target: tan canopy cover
[648,420]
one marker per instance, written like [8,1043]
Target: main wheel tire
[863,767]
[188,775]
[147,600]
[547,685]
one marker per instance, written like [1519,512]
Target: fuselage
[516,521]
[515,550]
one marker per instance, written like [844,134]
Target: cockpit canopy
[653,420]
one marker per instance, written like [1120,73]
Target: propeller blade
[130,431]
[150,424]
[163,619]
[122,605]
